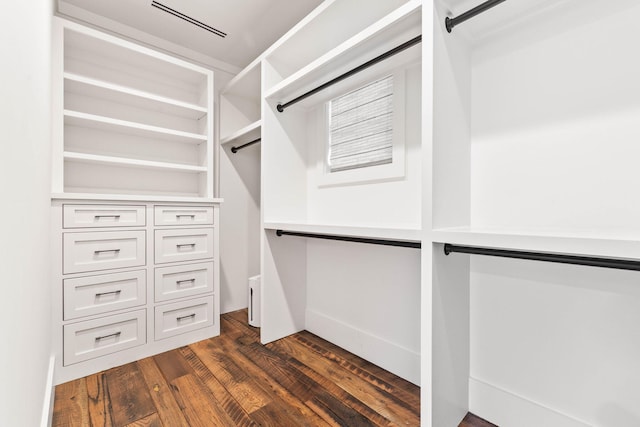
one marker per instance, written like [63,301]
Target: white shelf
[246,134]
[400,234]
[615,244]
[76,118]
[148,164]
[399,26]
[133,198]
[245,84]
[87,86]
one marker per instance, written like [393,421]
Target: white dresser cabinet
[134,217]
[131,280]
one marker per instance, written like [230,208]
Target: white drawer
[85,296]
[83,216]
[180,317]
[183,281]
[183,245]
[103,250]
[93,338]
[183,215]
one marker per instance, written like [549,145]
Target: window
[365,133]
[361,127]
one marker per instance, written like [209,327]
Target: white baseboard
[390,356]
[504,408]
[49,395]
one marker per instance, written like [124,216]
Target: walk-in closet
[320,212]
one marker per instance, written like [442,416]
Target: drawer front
[183,245]
[103,250]
[85,296]
[183,281]
[183,215]
[83,216]
[94,338]
[178,318]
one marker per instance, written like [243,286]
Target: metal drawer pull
[106,216]
[192,216]
[106,250]
[189,316]
[181,282]
[181,245]
[104,337]
[101,294]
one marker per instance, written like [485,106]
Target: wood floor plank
[303,387]
[230,376]
[151,421]
[172,365]
[402,390]
[234,380]
[70,405]
[169,412]
[289,408]
[99,402]
[380,401]
[474,421]
[231,406]
[130,399]
[197,403]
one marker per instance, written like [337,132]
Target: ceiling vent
[188,19]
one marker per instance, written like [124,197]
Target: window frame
[375,173]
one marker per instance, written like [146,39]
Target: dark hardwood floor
[233,380]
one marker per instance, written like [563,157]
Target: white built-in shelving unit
[135,221]
[131,120]
[532,147]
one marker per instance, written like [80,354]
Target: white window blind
[361,127]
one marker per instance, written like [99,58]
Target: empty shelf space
[398,27]
[75,118]
[87,86]
[93,158]
[246,84]
[246,134]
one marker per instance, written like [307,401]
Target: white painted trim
[505,408]
[400,361]
[49,395]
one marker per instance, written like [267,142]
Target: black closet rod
[240,147]
[620,264]
[383,242]
[388,54]
[452,22]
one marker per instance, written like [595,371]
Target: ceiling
[251,26]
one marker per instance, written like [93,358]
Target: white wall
[366,299]
[25,313]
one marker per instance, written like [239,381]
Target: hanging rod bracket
[235,149]
[449,23]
